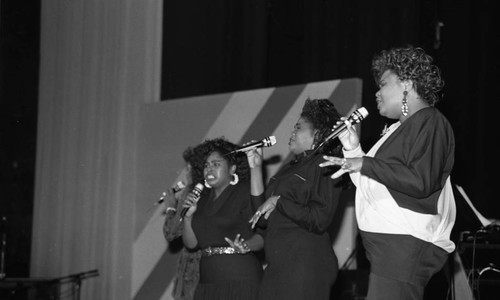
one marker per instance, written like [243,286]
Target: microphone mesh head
[178,186]
[198,189]
[272,139]
[269,141]
[363,112]
[359,115]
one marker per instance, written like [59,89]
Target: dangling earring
[404,107]
[208,186]
[315,138]
[235,180]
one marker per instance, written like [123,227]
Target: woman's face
[389,97]
[217,171]
[302,137]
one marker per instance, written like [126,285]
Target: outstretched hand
[347,165]
[238,244]
[264,210]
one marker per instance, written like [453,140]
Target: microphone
[357,116]
[266,142]
[179,186]
[197,193]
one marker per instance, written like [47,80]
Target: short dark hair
[411,63]
[323,116]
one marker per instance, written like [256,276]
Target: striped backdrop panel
[169,127]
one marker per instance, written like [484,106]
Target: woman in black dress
[301,203]
[218,225]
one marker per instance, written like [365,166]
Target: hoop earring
[404,107]
[208,186]
[235,180]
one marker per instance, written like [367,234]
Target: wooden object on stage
[44,288]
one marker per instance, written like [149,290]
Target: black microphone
[197,193]
[266,142]
[357,116]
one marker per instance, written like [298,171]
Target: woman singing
[301,203]
[218,225]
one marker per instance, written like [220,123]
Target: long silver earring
[235,180]
[404,107]
[313,146]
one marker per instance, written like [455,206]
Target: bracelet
[171,209]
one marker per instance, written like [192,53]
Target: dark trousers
[401,265]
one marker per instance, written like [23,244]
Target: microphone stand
[3,246]
[76,279]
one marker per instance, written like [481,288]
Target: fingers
[340,122]
[332,161]
[338,173]
[191,205]
[238,244]
[344,163]
[265,209]
[344,134]
[270,205]
[268,213]
[231,243]
[255,218]
[254,157]
[250,142]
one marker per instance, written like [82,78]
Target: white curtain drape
[100,59]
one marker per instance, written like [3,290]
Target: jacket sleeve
[425,155]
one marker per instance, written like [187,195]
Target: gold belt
[217,251]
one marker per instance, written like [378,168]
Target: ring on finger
[344,163]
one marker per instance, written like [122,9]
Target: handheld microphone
[197,193]
[356,117]
[179,186]
[266,142]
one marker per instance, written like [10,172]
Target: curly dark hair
[321,113]
[224,147]
[411,63]
[194,157]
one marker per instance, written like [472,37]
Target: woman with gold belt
[217,224]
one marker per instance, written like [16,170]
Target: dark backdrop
[19,59]
[226,45]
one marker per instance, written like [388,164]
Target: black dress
[298,249]
[226,276]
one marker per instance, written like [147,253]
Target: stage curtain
[99,62]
